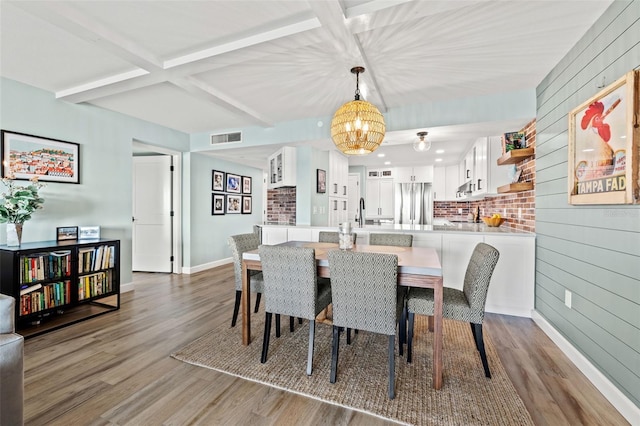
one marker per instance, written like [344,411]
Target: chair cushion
[454,305]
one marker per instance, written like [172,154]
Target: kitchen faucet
[360,212]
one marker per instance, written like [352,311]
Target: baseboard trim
[124,288]
[205,266]
[506,310]
[619,400]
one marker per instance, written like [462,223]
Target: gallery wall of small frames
[231,193]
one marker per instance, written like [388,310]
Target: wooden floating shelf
[515,187]
[515,156]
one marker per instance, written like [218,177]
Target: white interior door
[151,234]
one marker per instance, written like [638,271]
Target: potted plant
[17,205]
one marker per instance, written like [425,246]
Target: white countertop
[446,226]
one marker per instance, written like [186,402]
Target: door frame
[176,199]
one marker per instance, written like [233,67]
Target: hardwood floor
[116,369]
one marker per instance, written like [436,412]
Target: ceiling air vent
[226,138]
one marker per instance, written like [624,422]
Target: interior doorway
[172,246]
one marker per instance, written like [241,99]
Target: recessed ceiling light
[588,150]
[386,163]
[439,151]
[438,160]
[380,155]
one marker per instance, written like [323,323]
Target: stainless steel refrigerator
[413,204]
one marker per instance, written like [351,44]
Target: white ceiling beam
[371,7]
[208,93]
[334,22]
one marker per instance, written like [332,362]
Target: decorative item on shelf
[17,205]
[493,221]
[421,144]
[345,236]
[89,232]
[357,127]
[66,233]
[513,140]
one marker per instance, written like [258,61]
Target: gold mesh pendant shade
[358,126]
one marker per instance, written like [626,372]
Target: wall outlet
[459,210]
[567,298]
[519,212]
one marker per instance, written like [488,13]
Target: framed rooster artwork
[604,144]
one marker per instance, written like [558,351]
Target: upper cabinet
[414,174]
[338,174]
[282,168]
[387,173]
[445,183]
[488,175]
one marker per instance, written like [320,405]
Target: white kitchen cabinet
[456,252]
[387,173]
[414,174]
[445,183]
[338,212]
[480,182]
[488,176]
[379,199]
[338,174]
[511,291]
[282,168]
[274,235]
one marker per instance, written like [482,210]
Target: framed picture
[321,185]
[604,146]
[66,233]
[217,204]
[89,232]
[246,205]
[233,203]
[25,156]
[246,184]
[233,183]
[217,181]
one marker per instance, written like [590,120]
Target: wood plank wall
[593,251]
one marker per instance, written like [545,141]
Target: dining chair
[465,305]
[398,240]
[366,296]
[239,244]
[292,287]
[332,237]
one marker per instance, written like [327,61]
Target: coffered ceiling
[207,66]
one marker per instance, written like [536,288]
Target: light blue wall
[206,235]
[103,196]
[592,251]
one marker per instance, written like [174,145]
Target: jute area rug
[466,398]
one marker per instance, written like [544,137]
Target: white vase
[14,234]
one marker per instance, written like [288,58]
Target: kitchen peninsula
[512,285]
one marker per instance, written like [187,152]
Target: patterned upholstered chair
[239,244]
[332,237]
[399,240]
[292,287]
[366,296]
[462,305]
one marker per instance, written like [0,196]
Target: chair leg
[392,366]
[480,344]
[410,337]
[348,336]
[312,332]
[402,330]
[267,333]
[255,311]
[299,320]
[236,307]
[334,354]
[277,325]
[291,322]
[475,338]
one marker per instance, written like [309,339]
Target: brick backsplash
[518,208]
[281,206]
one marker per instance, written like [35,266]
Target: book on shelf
[29,289]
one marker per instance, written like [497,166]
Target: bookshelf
[58,283]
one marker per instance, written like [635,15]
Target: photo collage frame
[231,193]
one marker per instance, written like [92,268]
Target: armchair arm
[7,314]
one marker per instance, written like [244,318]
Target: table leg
[245,302]
[437,337]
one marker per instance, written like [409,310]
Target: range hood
[465,188]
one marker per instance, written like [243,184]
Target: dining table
[417,267]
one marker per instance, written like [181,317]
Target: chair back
[290,280]
[328,237]
[332,237]
[398,240]
[477,278]
[364,290]
[239,244]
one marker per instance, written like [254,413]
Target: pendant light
[422,144]
[357,127]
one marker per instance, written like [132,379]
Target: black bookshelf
[59,283]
